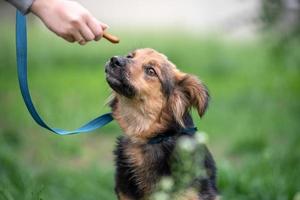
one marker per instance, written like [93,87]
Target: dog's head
[150,92]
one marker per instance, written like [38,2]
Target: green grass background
[252,122]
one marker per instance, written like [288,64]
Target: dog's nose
[117,61]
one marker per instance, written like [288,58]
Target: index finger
[96,28]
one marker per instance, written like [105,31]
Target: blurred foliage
[281,22]
[252,122]
[279,14]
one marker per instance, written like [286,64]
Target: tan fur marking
[135,155]
[141,172]
[189,194]
[123,197]
[140,119]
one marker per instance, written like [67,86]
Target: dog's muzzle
[115,65]
[117,76]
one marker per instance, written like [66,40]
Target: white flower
[161,196]
[187,144]
[201,137]
[166,183]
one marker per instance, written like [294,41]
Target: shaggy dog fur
[151,101]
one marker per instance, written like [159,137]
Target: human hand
[69,20]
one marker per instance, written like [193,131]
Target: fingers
[96,27]
[82,35]
[79,38]
[86,33]
[85,30]
[69,38]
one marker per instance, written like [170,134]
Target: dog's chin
[120,86]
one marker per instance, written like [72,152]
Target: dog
[151,100]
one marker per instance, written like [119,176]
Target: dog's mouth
[118,78]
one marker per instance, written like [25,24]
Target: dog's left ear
[189,92]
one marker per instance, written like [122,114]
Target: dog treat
[111,38]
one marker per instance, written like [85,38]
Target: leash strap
[21,47]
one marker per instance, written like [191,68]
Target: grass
[252,122]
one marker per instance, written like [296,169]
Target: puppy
[151,102]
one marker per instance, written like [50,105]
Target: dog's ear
[189,92]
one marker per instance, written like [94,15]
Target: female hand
[69,20]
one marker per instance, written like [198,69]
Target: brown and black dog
[151,102]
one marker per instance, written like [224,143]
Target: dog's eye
[150,71]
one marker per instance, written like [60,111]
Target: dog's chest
[139,166]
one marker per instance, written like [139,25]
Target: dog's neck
[167,135]
[140,120]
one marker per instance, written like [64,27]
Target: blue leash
[21,47]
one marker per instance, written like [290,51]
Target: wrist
[39,6]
